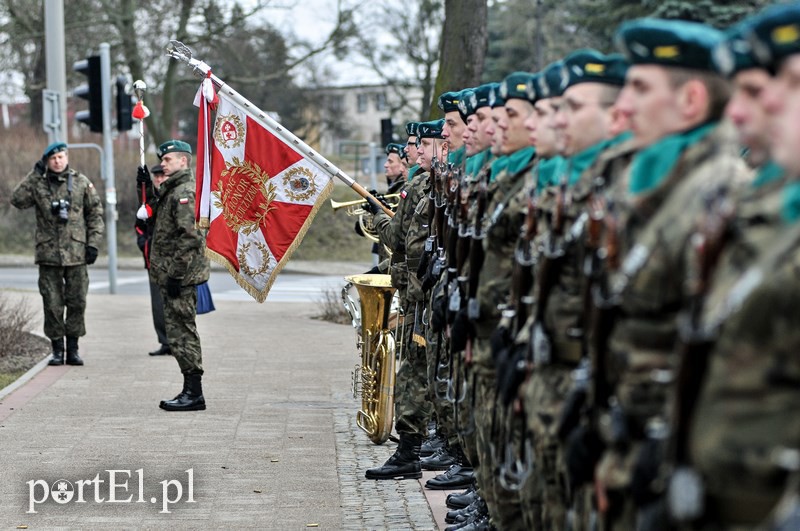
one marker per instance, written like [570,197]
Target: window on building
[336,103]
[380,102]
[361,103]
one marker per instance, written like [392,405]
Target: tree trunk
[463,48]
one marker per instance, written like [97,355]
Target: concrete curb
[25,378]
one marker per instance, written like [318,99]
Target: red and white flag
[256,194]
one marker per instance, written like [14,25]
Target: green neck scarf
[582,161]
[653,164]
[768,173]
[477,161]
[457,157]
[790,209]
[412,171]
[498,165]
[519,159]
[550,169]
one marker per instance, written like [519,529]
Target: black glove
[374,271]
[461,331]
[372,206]
[143,175]
[582,452]
[173,288]
[91,254]
[40,167]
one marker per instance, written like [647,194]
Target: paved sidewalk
[277,448]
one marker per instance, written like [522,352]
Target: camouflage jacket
[564,312]
[504,214]
[745,416]
[654,226]
[393,231]
[58,243]
[178,247]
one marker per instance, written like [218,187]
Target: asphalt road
[288,287]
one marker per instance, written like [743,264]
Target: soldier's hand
[40,167]
[372,206]
[143,175]
[461,331]
[173,288]
[91,254]
[583,450]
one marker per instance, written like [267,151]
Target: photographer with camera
[69,229]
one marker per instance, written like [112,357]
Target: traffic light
[124,106]
[387,131]
[92,92]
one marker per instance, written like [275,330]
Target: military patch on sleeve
[403,194]
[183,200]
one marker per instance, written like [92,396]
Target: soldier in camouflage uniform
[178,264]
[741,333]
[674,101]
[69,228]
[501,227]
[405,234]
[584,121]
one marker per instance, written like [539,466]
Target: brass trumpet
[356,208]
[391,199]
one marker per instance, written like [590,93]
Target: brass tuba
[376,374]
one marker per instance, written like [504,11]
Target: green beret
[591,66]
[775,34]
[474,99]
[411,128]
[532,88]
[552,81]
[432,129]
[157,169]
[668,43]
[514,86]
[396,148]
[173,146]
[52,149]
[735,53]
[448,102]
[466,103]
[495,100]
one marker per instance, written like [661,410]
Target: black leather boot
[58,352]
[458,476]
[461,499]
[442,459]
[72,351]
[459,516]
[190,399]
[431,445]
[180,395]
[404,463]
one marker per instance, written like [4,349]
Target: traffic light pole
[56,120]
[108,167]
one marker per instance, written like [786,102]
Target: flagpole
[178,50]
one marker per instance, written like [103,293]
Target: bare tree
[463,48]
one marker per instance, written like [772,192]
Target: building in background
[340,118]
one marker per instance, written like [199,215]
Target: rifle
[476,256]
[549,269]
[707,242]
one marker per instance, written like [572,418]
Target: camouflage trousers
[179,315]
[63,288]
[412,407]
[438,353]
[505,507]
[544,398]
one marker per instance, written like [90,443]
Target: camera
[60,209]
